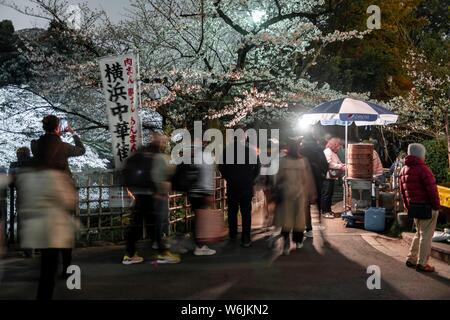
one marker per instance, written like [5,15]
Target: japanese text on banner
[120,89]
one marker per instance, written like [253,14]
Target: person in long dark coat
[240,178]
[313,151]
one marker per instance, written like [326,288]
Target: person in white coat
[48,197]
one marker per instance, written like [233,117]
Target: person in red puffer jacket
[418,185]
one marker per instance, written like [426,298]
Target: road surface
[331,266]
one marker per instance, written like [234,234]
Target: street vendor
[336,170]
[378,169]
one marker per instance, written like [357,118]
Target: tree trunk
[447,133]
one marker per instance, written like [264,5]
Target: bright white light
[303,125]
[257,15]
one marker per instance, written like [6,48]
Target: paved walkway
[331,266]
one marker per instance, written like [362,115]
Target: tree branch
[312,61]
[310,16]
[82,116]
[228,20]
[277,3]
[202,22]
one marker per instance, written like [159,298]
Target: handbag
[421,211]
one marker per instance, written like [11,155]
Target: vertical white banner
[119,77]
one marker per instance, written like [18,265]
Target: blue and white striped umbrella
[348,111]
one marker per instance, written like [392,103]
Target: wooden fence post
[12,214]
[3,209]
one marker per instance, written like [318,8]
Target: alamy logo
[74,280]
[237,154]
[374,20]
[374,281]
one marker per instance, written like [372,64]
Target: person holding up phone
[51,153]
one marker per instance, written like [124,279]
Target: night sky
[114,9]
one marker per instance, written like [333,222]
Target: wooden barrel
[360,161]
[387,200]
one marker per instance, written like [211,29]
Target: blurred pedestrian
[151,200]
[421,198]
[161,173]
[50,152]
[266,180]
[313,151]
[335,171]
[396,168]
[295,191]
[5,180]
[24,160]
[47,198]
[24,163]
[240,177]
[137,177]
[201,193]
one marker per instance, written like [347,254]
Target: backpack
[137,170]
[186,177]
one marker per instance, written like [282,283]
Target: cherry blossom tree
[62,75]
[426,108]
[22,112]
[219,60]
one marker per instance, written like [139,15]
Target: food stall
[358,179]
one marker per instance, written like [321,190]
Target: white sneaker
[204,251]
[309,234]
[299,245]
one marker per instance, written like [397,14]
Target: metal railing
[102,221]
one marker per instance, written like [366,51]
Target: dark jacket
[240,177]
[51,152]
[21,164]
[418,184]
[317,160]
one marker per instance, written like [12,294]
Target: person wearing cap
[418,187]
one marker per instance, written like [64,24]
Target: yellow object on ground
[444,196]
